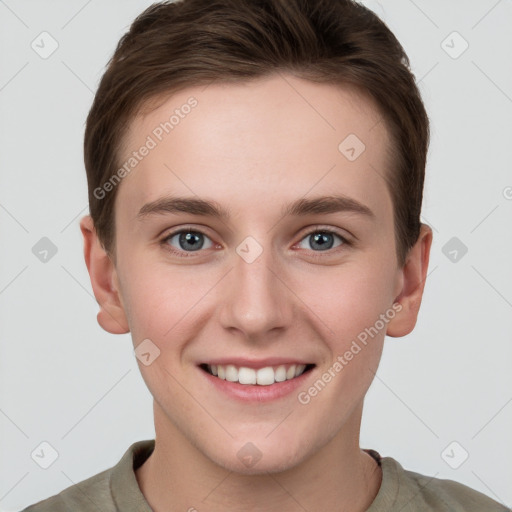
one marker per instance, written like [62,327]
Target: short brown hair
[174,45]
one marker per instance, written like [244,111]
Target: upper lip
[255,363]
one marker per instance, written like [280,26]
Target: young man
[255,174]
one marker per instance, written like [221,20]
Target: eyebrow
[301,207]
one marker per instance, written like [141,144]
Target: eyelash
[316,254]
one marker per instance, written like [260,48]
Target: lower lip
[256,393]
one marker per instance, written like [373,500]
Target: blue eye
[188,240]
[323,240]
[185,242]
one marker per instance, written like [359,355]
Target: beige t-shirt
[116,489]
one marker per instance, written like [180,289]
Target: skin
[254,148]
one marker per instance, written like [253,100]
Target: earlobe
[102,273]
[414,274]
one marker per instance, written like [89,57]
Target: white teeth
[263,376]
[231,373]
[246,376]
[280,374]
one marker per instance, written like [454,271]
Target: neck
[338,476]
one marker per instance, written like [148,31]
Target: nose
[256,300]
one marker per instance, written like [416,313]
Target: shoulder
[111,490]
[426,493]
[92,494]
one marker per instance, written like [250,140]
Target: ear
[413,276]
[102,272]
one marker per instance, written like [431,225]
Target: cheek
[354,298]
[162,301]
[349,301]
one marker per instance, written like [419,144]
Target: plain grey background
[442,393]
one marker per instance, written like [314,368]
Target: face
[291,260]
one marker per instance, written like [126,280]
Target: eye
[186,240]
[323,240]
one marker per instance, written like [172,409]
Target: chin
[259,457]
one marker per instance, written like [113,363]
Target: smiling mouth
[262,376]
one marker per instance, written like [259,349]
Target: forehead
[280,135]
